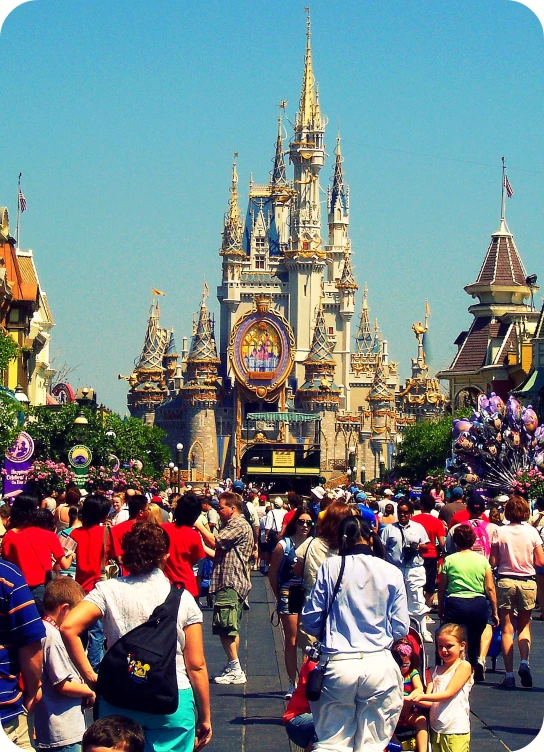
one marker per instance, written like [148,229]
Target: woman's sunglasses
[305,522]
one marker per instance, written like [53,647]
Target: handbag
[108,569]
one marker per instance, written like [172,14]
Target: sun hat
[278,502]
[318,492]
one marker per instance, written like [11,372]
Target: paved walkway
[247,718]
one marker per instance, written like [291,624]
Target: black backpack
[139,670]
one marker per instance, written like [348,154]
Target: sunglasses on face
[305,522]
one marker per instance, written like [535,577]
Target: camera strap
[334,594]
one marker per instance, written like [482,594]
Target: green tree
[55,433]
[425,447]
[9,421]
[8,350]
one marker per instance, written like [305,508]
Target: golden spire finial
[309,113]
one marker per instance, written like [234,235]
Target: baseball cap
[367,514]
[278,502]
[388,492]
[457,492]
[319,492]
[237,486]
[475,501]
[361,496]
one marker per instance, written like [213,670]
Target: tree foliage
[425,447]
[9,421]
[8,350]
[55,433]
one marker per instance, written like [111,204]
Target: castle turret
[199,395]
[319,394]
[382,405]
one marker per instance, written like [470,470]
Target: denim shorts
[300,730]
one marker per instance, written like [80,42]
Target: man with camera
[404,543]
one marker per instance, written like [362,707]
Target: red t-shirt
[114,548]
[435,529]
[31,550]
[185,550]
[460,517]
[89,555]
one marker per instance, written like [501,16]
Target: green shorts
[227,612]
[450,742]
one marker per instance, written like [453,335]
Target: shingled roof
[502,264]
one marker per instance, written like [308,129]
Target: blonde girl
[448,693]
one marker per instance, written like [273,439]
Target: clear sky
[123,115]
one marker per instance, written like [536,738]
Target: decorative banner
[63,393]
[80,457]
[17,464]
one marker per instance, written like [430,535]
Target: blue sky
[123,115]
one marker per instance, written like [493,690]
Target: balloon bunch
[497,442]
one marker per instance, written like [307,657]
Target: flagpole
[18,211]
[502,190]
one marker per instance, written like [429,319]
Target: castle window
[331,331]
[260,244]
[259,262]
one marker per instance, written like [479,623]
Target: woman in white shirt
[362,694]
[124,604]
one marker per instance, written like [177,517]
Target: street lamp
[352,463]
[363,474]
[179,456]
[382,466]
[176,475]
[171,468]
[20,395]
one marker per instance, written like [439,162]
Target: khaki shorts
[516,594]
[227,612]
[17,731]
[450,742]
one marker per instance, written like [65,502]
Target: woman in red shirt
[31,548]
[186,547]
[90,555]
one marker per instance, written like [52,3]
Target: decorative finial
[205,294]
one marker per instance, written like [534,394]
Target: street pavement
[247,718]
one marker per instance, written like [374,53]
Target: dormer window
[260,262]
[260,244]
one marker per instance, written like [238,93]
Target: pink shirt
[514,547]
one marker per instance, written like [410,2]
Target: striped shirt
[20,624]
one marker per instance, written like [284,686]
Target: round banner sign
[22,450]
[80,456]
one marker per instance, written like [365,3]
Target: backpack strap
[170,605]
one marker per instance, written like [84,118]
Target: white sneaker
[224,670]
[289,693]
[231,677]
[429,619]
[427,636]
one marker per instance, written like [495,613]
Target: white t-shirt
[127,602]
[274,520]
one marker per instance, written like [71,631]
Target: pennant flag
[22,201]
[509,189]
[157,292]
[427,309]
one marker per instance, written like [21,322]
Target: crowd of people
[90,579]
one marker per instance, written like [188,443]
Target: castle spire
[320,351]
[339,193]
[347,280]
[309,114]
[233,227]
[203,347]
[278,175]
[364,337]
[380,391]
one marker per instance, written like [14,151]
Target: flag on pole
[206,289]
[22,201]
[157,292]
[508,187]
[427,309]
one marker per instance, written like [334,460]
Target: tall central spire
[309,114]
[278,176]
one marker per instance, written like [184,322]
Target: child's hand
[417,695]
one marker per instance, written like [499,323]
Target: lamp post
[176,476]
[352,463]
[171,468]
[179,457]
[363,474]
[382,466]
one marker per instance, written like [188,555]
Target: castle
[288,367]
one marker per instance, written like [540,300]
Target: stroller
[405,735]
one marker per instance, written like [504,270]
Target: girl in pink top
[515,549]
